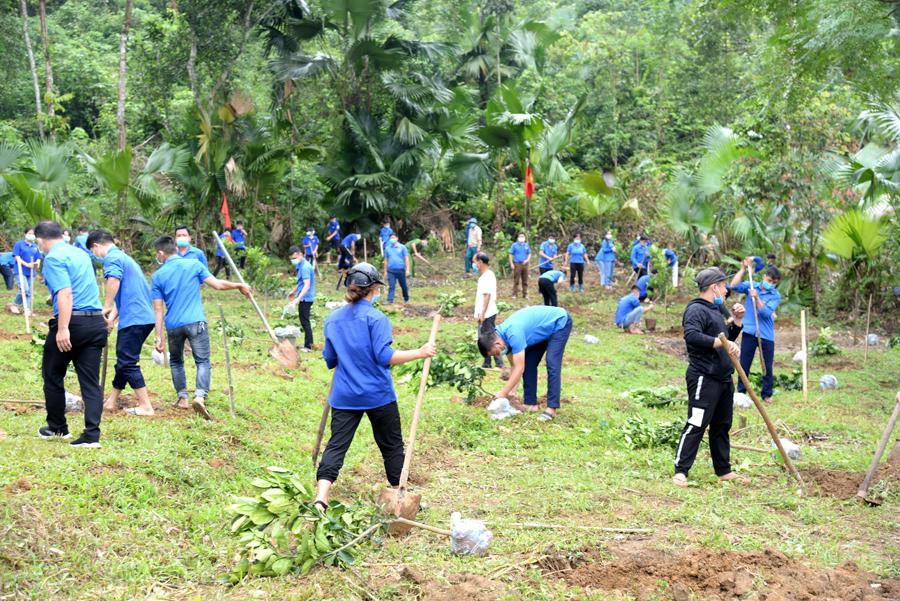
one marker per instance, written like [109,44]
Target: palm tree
[855,239]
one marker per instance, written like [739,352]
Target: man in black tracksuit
[709,384]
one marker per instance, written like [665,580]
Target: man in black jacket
[709,384]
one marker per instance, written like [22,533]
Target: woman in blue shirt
[575,255]
[358,346]
[607,260]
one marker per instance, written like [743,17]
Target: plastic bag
[287,310]
[798,357]
[332,305]
[591,339]
[501,409]
[742,400]
[159,358]
[468,537]
[828,382]
[872,340]
[791,448]
[74,404]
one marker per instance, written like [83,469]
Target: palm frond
[362,138]
[300,66]
[472,171]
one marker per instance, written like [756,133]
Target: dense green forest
[729,127]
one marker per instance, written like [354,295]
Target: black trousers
[576,269]
[488,325]
[304,308]
[543,270]
[385,422]
[128,356]
[88,335]
[220,263]
[241,255]
[548,291]
[9,277]
[710,405]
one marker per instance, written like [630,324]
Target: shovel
[324,420]
[398,501]
[25,307]
[283,350]
[863,492]
[762,360]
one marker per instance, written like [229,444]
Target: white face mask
[577,240]
[521,239]
[609,236]
[30,237]
[551,241]
[66,238]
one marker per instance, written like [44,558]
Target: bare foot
[182,403]
[532,408]
[734,477]
[680,480]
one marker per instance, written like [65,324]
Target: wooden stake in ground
[762,359]
[805,350]
[365,251]
[322,421]
[227,360]
[762,411]
[868,321]
[879,451]
[284,350]
[25,308]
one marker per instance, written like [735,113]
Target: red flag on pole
[529,182]
[225,214]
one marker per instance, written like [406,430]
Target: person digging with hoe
[358,346]
[709,385]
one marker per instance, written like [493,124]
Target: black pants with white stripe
[710,405]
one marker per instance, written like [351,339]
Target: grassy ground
[144,516]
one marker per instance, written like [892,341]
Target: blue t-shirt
[225,237]
[531,325]
[28,252]
[385,234]
[642,283]
[671,257]
[133,299]
[177,283]
[238,236]
[627,304]
[7,260]
[396,254]
[576,252]
[68,267]
[192,252]
[554,275]
[349,239]
[606,254]
[81,242]
[360,335]
[766,316]
[335,226]
[306,271]
[551,250]
[310,245]
[519,251]
[640,255]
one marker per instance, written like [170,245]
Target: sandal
[546,416]
[322,505]
[200,409]
[680,480]
[134,411]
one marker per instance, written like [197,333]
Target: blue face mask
[767,285]
[375,298]
[719,301]
[182,241]
[295,262]
[82,238]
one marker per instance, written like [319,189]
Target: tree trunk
[123,49]
[34,75]
[48,66]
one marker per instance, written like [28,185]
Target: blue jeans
[198,334]
[395,276]
[23,284]
[606,272]
[632,318]
[128,356]
[748,352]
[9,278]
[471,251]
[554,347]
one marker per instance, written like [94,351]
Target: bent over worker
[709,385]
[529,334]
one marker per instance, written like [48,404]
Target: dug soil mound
[708,574]
[843,485]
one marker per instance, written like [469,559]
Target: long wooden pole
[805,350]
[762,359]
[885,437]
[762,411]
[25,308]
[868,322]
[227,359]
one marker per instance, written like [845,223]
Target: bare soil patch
[843,485]
[766,575]
[4,335]
[458,587]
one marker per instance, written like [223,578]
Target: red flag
[529,182]
[225,214]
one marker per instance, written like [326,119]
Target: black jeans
[304,308]
[128,356]
[710,404]
[385,422]
[220,263]
[576,269]
[488,325]
[88,336]
[548,291]
[240,256]
[748,352]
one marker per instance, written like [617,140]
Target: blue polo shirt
[7,260]
[349,239]
[306,271]
[310,245]
[81,242]
[177,283]
[671,257]
[640,255]
[396,254]
[240,242]
[642,283]
[68,267]
[28,252]
[225,237]
[360,335]
[606,251]
[551,250]
[335,226]
[133,298]
[520,251]
[192,252]
[554,275]
[758,265]
[576,252]
[627,304]
[385,234]
[766,316]
[531,325]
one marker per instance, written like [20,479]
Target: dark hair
[771,256]
[82,229]
[654,271]
[166,244]
[644,238]
[333,217]
[27,229]
[355,292]
[99,237]
[576,235]
[183,227]
[486,338]
[773,273]
[294,249]
[633,288]
[483,257]
[48,230]
[239,222]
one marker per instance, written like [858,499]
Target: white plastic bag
[332,305]
[798,357]
[501,409]
[74,404]
[591,339]
[159,358]
[468,537]
[790,447]
[828,382]
[872,340]
[742,401]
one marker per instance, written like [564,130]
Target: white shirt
[487,284]
[474,236]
